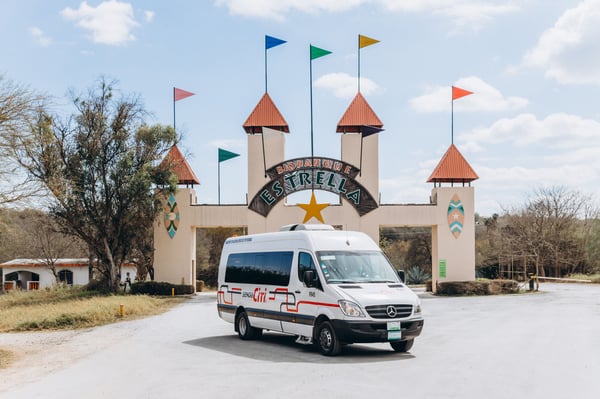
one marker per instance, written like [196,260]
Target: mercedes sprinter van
[327,287]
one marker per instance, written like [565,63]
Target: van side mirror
[309,278]
[402,275]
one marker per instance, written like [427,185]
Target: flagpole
[219,184]
[452,122]
[175,129]
[265,67]
[311,116]
[361,151]
[263,149]
[359,64]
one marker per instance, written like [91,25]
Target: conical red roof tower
[359,113]
[181,168]
[453,168]
[265,114]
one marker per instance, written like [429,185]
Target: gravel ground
[543,345]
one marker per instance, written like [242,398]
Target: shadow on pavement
[280,348]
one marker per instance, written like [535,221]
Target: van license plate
[394,330]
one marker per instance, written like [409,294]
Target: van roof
[323,239]
[313,227]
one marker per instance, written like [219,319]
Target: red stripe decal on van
[295,310]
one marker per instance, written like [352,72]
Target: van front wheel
[327,340]
[402,346]
[244,329]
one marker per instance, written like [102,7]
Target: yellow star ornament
[313,209]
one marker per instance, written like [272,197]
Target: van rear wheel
[244,329]
[402,346]
[327,340]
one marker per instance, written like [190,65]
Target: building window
[66,277]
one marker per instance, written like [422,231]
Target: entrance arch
[449,211]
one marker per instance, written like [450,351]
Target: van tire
[244,329]
[326,339]
[402,346]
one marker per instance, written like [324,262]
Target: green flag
[316,52]
[224,155]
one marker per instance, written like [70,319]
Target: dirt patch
[35,354]
[6,358]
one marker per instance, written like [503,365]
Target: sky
[533,66]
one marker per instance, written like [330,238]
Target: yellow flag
[364,41]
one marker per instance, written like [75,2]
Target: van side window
[305,262]
[269,268]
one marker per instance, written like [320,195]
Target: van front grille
[386,312]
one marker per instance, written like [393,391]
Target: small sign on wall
[442,268]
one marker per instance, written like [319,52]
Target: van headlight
[350,309]
[418,308]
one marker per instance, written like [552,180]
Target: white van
[326,286]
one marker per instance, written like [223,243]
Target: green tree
[100,166]
[209,244]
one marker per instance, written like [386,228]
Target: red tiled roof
[60,262]
[265,114]
[359,113]
[453,168]
[181,168]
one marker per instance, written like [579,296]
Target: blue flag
[271,41]
[369,130]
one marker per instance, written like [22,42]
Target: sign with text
[314,173]
[442,268]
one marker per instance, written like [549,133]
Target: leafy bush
[97,286]
[490,271]
[417,275]
[479,287]
[160,288]
[208,275]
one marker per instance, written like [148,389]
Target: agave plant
[417,275]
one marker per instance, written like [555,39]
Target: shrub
[208,275]
[490,271]
[417,275]
[160,288]
[479,287]
[97,286]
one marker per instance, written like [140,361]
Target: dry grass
[6,358]
[594,278]
[73,308]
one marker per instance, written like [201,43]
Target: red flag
[179,94]
[457,92]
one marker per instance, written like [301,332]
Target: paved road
[544,345]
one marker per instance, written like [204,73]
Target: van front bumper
[366,332]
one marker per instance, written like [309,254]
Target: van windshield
[356,267]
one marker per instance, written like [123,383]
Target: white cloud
[277,9]
[346,86]
[472,14]
[40,37]
[484,98]
[562,131]
[568,51]
[149,16]
[463,13]
[111,22]
[228,144]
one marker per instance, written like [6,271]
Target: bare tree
[548,228]
[18,107]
